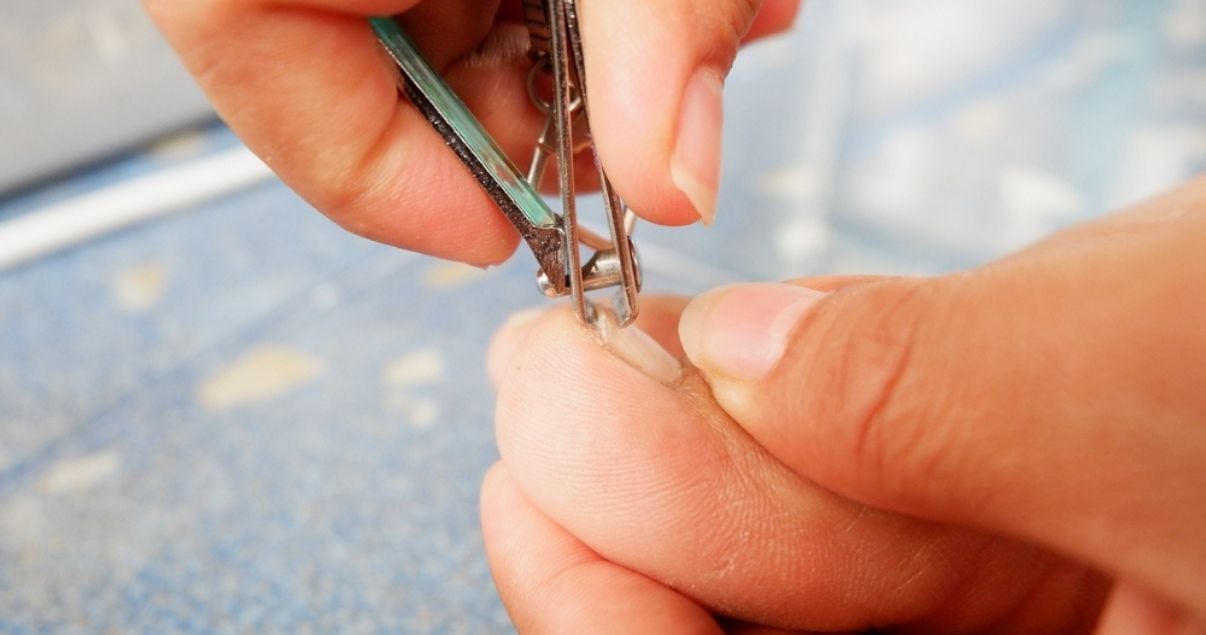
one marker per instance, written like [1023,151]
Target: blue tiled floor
[242,419]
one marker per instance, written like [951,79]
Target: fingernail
[640,351]
[695,165]
[742,331]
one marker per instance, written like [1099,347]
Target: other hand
[1019,449]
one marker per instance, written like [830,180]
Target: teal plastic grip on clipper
[464,134]
[556,240]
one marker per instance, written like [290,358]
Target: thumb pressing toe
[741,332]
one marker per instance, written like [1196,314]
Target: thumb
[1023,408]
[655,72]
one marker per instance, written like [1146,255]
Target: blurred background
[220,413]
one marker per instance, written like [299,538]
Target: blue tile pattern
[241,419]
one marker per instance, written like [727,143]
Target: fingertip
[667,167]
[490,252]
[489,248]
[774,17]
[495,484]
[558,390]
[1132,609]
[661,204]
[656,100]
[498,495]
[658,319]
[506,341]
[491,242]
[660,109]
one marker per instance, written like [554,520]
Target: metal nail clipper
[556,239]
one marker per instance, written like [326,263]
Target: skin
[1014,449]
[305,85]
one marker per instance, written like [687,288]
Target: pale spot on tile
[1031,193]
[420,367]
[449,275]
[401,381]
[139,288]
[893,180]
[81,474]
[109,38]
[802,235]
[260,375]
[418,411]
[981,122]
[1034,204]
[1185,23]
[424,413]
[23,521]
[325,297]
[1179,89]
[771,54]
[1157,158]
[793,183]
[907,45]
[1087,59]
[180,146]
[395,403]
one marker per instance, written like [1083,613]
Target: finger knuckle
[887,401]
[725,27]
[743,14]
